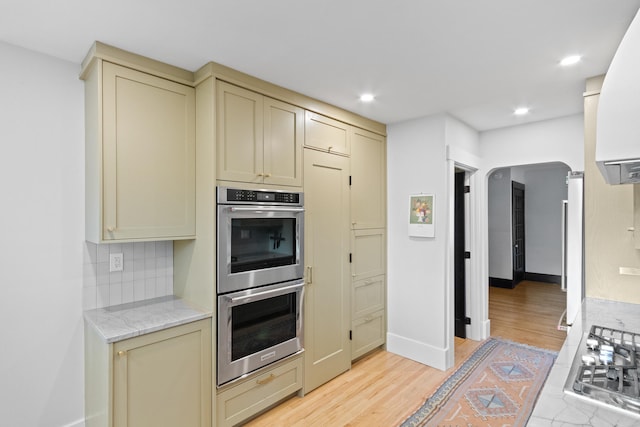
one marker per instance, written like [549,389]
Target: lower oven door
[258,326]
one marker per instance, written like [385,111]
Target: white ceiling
[475,59]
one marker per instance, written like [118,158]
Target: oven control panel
[238,196]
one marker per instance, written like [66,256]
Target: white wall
[416,266]
[557,140]
[418,297]
[42,228]
[420,303]
[545,189]
[499,222]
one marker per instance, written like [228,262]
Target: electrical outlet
[115,262]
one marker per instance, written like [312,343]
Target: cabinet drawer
[368,333]
[249,397]
[368,296]
[326,134]
[368,253]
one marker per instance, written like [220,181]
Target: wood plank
[383,389]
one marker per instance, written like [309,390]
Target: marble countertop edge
[120,322]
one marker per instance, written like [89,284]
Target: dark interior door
[518,231]
[459,257]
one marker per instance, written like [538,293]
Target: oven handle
[264,209]
[273,292]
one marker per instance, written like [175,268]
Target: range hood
[618,122]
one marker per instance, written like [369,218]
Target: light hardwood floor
[383,389]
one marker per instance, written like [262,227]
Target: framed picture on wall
[421,215]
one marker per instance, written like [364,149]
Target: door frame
[477,301]
[460,249]
[517,275]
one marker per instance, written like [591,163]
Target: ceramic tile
[127,292]
[149,250]
[103,253]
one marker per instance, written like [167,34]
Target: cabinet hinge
[349,179]
[350,257]
[467,255]
[467,189]
[467,320]
[350,335]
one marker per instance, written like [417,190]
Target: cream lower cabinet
[326,305]
[259,139]
[243,399]
[368,291]
[158,379]
[140,155]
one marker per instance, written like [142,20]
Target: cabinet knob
[330,148]
[122,353]
[259,174]
[267,175]
[111,229]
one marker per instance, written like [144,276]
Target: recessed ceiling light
[521,111]
[570,60]
[366,97]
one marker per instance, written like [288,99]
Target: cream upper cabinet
[326,134]
[140,155]
[259,139]
[158,379]
[368,181]
[326,305]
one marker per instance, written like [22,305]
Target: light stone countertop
[124,321]
[557,408]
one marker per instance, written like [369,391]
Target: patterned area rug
[498,385]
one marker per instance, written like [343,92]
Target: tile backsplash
[147,273]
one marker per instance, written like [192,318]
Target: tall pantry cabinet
[345,233]
[368,241]
[326,305]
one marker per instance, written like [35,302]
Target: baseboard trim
[497,282]
[418,351]
[545,278]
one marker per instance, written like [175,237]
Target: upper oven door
[259,245]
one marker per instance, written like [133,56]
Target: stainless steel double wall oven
[260,282]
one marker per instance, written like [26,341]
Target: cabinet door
[368,253]
[283,135]
[368,296]
[327,307]
[368,333]
[239,121]
[148,156]
[326,134]
[368,183]
[164,378]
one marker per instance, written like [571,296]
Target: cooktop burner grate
[609,371]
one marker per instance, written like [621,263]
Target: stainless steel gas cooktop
[605,368]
